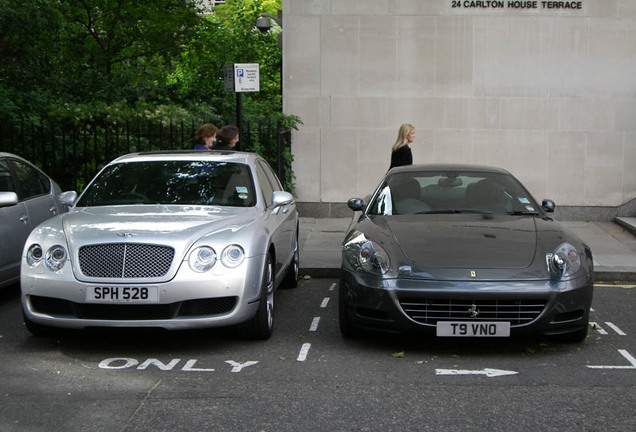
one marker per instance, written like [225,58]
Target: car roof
[449,168]
[14,156]
[202,155]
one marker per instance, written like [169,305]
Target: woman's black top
[401,156]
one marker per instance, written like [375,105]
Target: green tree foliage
[229,35]
[98,64]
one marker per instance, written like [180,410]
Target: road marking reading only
[627,356]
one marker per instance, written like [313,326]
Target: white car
[175,240]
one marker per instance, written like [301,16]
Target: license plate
[473,329]
[122,295]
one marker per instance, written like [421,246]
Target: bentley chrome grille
[125,260]
[516,312]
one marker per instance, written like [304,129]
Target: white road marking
[314,324]
[627,356]
[490,373]
[237,367]
[304,350]
[598,328]
[325,302]
[615,328]
[333,286]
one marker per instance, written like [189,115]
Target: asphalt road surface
[308,378]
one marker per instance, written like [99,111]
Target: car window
[266,185]
[273,179]
[172,182]
[31,182]
[6,180]
[452,192]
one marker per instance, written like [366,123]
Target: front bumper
[415,305]
[221,297]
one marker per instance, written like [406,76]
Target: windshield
[452,192]
[172,182]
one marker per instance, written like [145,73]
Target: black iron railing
[73,154]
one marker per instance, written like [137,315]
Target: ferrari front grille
[125,260]
[517,312]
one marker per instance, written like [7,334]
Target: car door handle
[24,219]
[285,210]
[53,210]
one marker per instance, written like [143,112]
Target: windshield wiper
[523,213]
[454,211]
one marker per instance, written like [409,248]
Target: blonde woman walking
[401,152]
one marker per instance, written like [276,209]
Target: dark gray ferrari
[462,251]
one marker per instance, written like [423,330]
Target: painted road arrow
[490,373]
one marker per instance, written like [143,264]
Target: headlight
[232,256]
[366,255]
[564,261]
[202,259]
[55,257]
[34,255]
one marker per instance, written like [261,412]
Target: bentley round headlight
[56,257]
[34,255]
[232,256]
[202,259]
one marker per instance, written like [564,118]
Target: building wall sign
[517,4]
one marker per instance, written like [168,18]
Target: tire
[347,328]
[291,278]
[573,337]
[35,329]
[261,326]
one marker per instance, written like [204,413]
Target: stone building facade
[545,89]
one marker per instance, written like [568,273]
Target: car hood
[178,226]
[465,241]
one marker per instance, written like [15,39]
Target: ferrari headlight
[365,255]
[564,261]
[232,256]
[34,255]
[202,259]
[55,257]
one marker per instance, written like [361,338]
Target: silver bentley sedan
[174,240]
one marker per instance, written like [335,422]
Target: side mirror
[548,205]
[68,198]
[8,199]
[356,204]
[281,198]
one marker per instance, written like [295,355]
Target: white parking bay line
[314,324]
[325,302]
[598,328]
[304,350]
[615,328]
